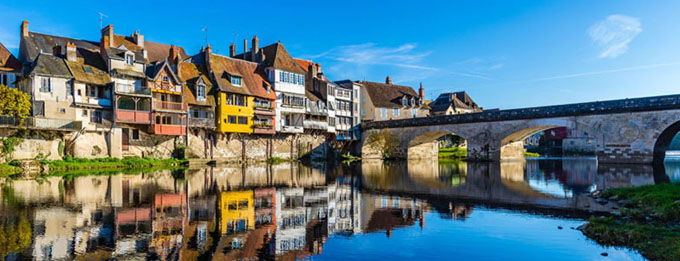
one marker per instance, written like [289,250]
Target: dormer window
[413,101]
[404,101]
[200,92]
[235,80]
[129,59]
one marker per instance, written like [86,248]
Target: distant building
[10,67]
[387,101]
[453,103]
[348,110]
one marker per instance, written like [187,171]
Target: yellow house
[237,212]
[235,102]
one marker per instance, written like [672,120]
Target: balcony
[132,116]
[202,122]
[103,102]
[166,129]
[166,86]
[169,106]
[132,89]
[263,110]
[316,125]
[263,128]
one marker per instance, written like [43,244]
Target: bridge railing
[656,103]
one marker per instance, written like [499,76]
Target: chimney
[421,91]
[174,55]
[312,71]
[56,50]
[71,51]
[139,39]
[232,50]
[254,49]
[388,80]
[319,73]
[208,52]
[245,48]
[107,37]
[24,28]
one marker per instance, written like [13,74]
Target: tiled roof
[158,51]
[304,64]
[89,67]
[50,65]
[7,61]
[36,43]
[154,69]
[190,73]
[252,80]
[276,56]
[388,95]
[119,54]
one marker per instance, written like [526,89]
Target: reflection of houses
[344,206]
[383,212]
[290,220]
[237,216]
[169,211]
[316,208]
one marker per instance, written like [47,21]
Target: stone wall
[90,145]
[34,144]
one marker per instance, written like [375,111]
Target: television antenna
[101,19]
[205,29]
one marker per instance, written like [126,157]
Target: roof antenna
[101,19]
[205,29]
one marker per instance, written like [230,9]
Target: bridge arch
[512,142]
[425,145]
[663,142]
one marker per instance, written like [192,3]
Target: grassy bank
[531,154]
[452,153]
[8,170]
[110,163]
[649,221]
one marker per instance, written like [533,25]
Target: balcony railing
[318,125]
[165,129]
[166,86]
[132,116]
[172,106]
[132,89]
[202,122]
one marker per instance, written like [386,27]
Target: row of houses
[131,88]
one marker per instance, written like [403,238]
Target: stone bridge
[623,131]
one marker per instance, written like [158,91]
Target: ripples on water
[371,210]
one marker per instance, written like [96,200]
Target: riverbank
[461,153]
[649,221]
[93,165]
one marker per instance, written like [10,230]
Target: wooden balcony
[169,106]
[165,129]
[132,116]
[166,87]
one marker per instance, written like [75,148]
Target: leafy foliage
[384,142]
[14,103]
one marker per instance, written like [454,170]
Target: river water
[371,210]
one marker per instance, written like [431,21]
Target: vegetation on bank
[69,163]
[453,152]
[531,154]
[649,221]
[8,170]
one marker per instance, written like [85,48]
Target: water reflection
[289,210]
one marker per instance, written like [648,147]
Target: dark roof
[388,95]
[36,43]
[275,55]
[154,69]
[191,73]
[158,51]
[7,61]
[456,99]
[119,53]
[50,65]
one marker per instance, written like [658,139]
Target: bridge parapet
[655,103]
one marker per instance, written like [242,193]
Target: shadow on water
[286,211]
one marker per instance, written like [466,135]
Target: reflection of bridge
[623,131]
[496,183]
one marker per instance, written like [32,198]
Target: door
[125,141]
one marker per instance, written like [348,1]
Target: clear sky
[505,54]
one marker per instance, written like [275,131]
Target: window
[135,134]
[96,117]
[87,69]
[200,92]
[363,112]
[45,84]
[396,112]
[62,110]
[356,94]
[414,112]
[383,113]
[242,120]
[129,59]
[91,91]
[229,100]
[240,100]
[84,112]
[236,81]
[331,121]
[232,119]
[404,101]
[166,79]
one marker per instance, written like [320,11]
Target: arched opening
[666,155]
[437,144]
[513,145]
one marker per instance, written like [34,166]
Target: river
[369,210]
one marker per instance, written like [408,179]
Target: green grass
[277,160]
[453,152]
[531,154]
[110,163]
[653,241]
[650,221]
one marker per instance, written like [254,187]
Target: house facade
[453,103]
[387,101]
[349,107]
[10,68]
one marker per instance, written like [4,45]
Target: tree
[383,141]
[14,103]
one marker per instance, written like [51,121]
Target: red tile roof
[252,83]
[7,61]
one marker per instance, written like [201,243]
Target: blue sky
[506,54]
